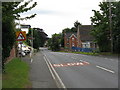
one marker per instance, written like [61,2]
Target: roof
[85,33]
[68,34]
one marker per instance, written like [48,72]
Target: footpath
[40,75]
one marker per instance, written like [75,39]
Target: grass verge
[17,74]
[93,53]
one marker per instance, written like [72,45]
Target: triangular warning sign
[20,36]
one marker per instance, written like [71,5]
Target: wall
[12,54]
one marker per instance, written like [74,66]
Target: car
[25,49]
[21,53]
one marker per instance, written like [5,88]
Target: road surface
[84,71]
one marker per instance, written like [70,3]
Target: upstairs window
[73,39]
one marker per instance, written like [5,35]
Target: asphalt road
[84,71]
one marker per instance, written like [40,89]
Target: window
[67,43]
[73,39]
[73,44]
[86,45]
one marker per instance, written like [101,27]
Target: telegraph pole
[110,25]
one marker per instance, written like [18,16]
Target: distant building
[82,38]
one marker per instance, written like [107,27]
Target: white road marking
[50,65]
[49,68]
[105,69]
[111,59]
[31,60]
[106,58]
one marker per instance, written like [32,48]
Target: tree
[73,29]
[10,12]
[40,38]
[116,32]
[101,29]
[55,42]
[76,24]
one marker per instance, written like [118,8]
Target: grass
[17,74]
[93,53]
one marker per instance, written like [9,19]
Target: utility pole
[32,49]
[110,25]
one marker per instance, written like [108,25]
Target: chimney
[78,36]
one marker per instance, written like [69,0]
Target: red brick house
[82,38]
[70,40]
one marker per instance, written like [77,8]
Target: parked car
[25,49]
[21,53]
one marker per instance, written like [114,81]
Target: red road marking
[71,64]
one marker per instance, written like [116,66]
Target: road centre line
[105,69]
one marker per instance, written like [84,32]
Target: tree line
[105,32]
[106,26]
[10,12]
[57,40]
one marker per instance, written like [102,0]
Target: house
[70,40]
[82,38]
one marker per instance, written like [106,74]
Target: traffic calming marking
[71,64]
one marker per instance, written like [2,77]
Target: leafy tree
[36,39]
[10,12]
[40,38]
[101,29]
[76,24]
[116,32]
[49,43]
[55,42]
[73,29]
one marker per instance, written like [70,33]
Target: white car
[22,53]
[25,49]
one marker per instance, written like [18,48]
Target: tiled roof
[84,33]
[68,34]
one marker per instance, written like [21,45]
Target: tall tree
[10,12]
[101,30]
[55,42]
[39,38]
[116,32]
[76,24]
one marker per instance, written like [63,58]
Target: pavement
[40,75]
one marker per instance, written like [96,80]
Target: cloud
[55,15]
[41,12]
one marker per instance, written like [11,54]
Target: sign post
[21,36]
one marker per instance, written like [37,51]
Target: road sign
[21,35]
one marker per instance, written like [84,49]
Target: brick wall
[12,54]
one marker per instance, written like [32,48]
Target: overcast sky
[55,15]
